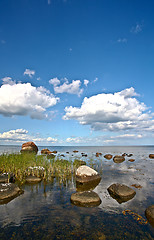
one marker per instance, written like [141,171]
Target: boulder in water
[85,199]
[29,147]
[86,174]
[121,192]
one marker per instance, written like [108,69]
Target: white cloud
[8,80]
[113,112]
[136,29]
[86,82]
[96,79]
[24,99]
[29,72]
[54,81]
[21,135]
[66,87]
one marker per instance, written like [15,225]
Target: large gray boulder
[149,213]
[121,192]
[85,174]
[8,191]
[85,199]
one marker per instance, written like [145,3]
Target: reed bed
[23,165]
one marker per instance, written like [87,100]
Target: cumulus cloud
[54,81]
[29,72]
[66,87]
[25,99]
[86,82]
[8,80]
[21,135]
[113,112]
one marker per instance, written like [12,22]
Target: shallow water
[44,211]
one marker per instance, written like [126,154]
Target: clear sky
[77,72]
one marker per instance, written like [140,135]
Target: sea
[45,211]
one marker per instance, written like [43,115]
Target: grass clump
[25,164]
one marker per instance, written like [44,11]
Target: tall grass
[22,165]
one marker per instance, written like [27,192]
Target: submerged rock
[86,174]
[108,156]
[151,155]
[98,154]
[8,191]
[29,147]
[33,179]
[121,192]
[131,160]
[118,159]
[86,199]
[149,213]
[86,186]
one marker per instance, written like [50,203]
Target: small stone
[86,199]
[151,155]
[108,156]
[131,160]
[118,159]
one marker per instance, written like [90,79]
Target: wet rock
[131,160]
[54,151]
[86,186]
[129,155]
[151,155]
[98,154]
[149,213]
[29,147]
[86,174]
[5,178]
[124,154]
[121,192]
[33,179]
[108,156]
[45,151]
[84,154]
[75,151]
[118,159]
[67,152]
[85,199]
[8,191]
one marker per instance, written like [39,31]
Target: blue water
[44,211]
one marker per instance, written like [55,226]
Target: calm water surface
[44,211]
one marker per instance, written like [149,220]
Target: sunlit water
[44,211]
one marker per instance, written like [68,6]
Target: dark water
[44,211]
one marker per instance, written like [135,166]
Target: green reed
[22,165]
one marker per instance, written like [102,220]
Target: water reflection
[45,208]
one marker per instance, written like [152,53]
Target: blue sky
[77,72]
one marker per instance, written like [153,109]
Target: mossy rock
[85,199]
[9,191]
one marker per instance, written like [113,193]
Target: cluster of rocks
[86,180]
